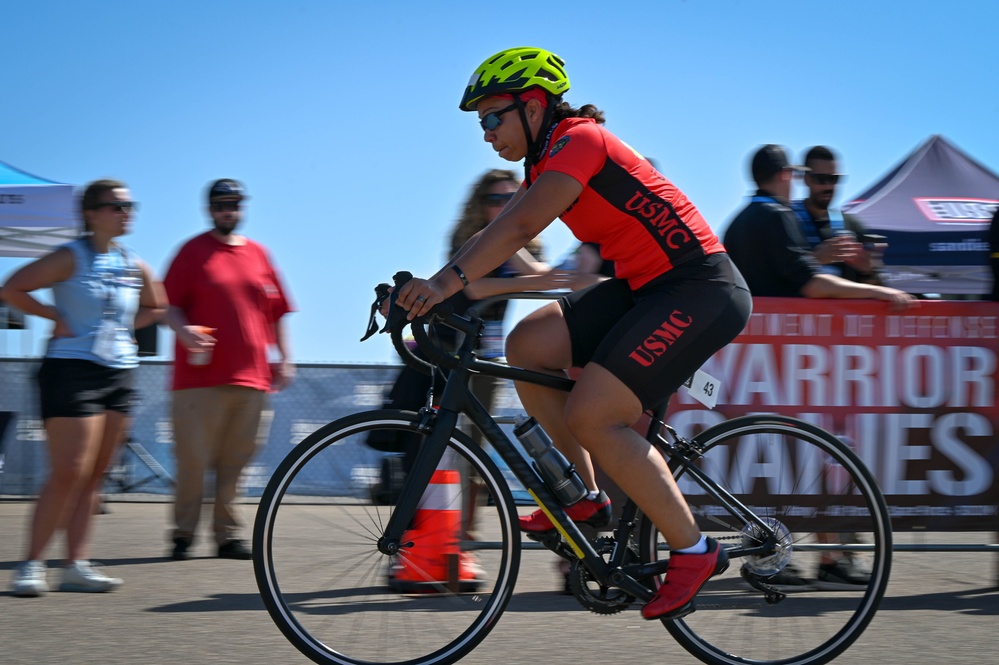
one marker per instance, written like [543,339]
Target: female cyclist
[676,298]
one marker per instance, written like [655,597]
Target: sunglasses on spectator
[119,206]
[226,206]
[491,121]
[497,199]
[826,178]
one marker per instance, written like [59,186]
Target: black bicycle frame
[457,398]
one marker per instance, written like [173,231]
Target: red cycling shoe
[686,574]
[596,513]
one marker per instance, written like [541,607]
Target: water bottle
[555,470]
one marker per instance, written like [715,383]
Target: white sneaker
[29,580]
[82,576]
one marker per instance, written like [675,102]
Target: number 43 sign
[703,387]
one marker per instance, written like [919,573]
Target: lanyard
[808,226]
[111,277]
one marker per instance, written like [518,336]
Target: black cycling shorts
[655,338]
[72,388]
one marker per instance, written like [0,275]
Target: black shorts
[655,338]
[72,388]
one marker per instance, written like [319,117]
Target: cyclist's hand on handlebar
[419,296]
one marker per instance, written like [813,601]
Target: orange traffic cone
[434,563]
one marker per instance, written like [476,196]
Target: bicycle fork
[440,425]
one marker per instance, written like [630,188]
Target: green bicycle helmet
[516,70]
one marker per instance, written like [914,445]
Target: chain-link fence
[319,394]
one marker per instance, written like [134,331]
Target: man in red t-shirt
[227,305]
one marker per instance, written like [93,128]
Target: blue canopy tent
[935,208]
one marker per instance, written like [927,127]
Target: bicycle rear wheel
[829,517]
[338,599]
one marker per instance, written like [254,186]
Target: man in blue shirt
[835,238]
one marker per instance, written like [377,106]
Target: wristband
[461,275]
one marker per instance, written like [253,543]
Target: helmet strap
[534,143]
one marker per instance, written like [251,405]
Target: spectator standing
[101,293]
[766,244]
[832,235]
[524,271]
[588,269]
[227,305]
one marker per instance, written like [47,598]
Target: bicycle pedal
[550,539]
[679,613]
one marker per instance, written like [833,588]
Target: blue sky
[342,120]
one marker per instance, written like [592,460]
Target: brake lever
[396,315]
[381,293]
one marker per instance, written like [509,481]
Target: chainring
[599,599]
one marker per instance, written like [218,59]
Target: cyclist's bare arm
[527,215]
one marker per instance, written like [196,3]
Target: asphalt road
[940,608]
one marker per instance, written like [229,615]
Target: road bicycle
[767,487]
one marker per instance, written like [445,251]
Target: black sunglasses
[491,121]
[226,206]
[119,206]
[497,199]
[826,178]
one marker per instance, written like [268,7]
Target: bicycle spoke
[340,600]
[818,507]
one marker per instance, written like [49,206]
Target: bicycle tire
[338,599]
[807,480]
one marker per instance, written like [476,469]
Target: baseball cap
[226,188]
[771,159]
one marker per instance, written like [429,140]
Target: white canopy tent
[36,214]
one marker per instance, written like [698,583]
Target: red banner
[913,393]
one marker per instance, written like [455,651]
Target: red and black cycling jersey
[641,221]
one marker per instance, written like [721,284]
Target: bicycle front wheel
[818,583]
[337,598]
